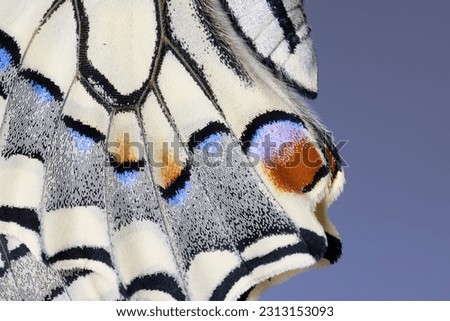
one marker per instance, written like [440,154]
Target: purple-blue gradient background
[384,78]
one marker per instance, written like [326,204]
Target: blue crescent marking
[181,195]
[128,178]
[42,93]
[84,143]
[5,59]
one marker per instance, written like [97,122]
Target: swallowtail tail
[160,150]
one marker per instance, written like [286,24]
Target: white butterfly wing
[98,195]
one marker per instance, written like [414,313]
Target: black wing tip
[334,249]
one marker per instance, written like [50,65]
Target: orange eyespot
[294,166]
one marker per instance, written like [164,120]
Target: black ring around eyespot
[264,119]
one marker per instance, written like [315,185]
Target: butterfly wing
[278,35]
[159,150]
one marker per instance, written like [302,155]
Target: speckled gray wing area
[158,150]
[23,277]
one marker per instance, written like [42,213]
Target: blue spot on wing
[84,143]
[5,59]
[42,93]
[211,144]
[181,195]
[128,178]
